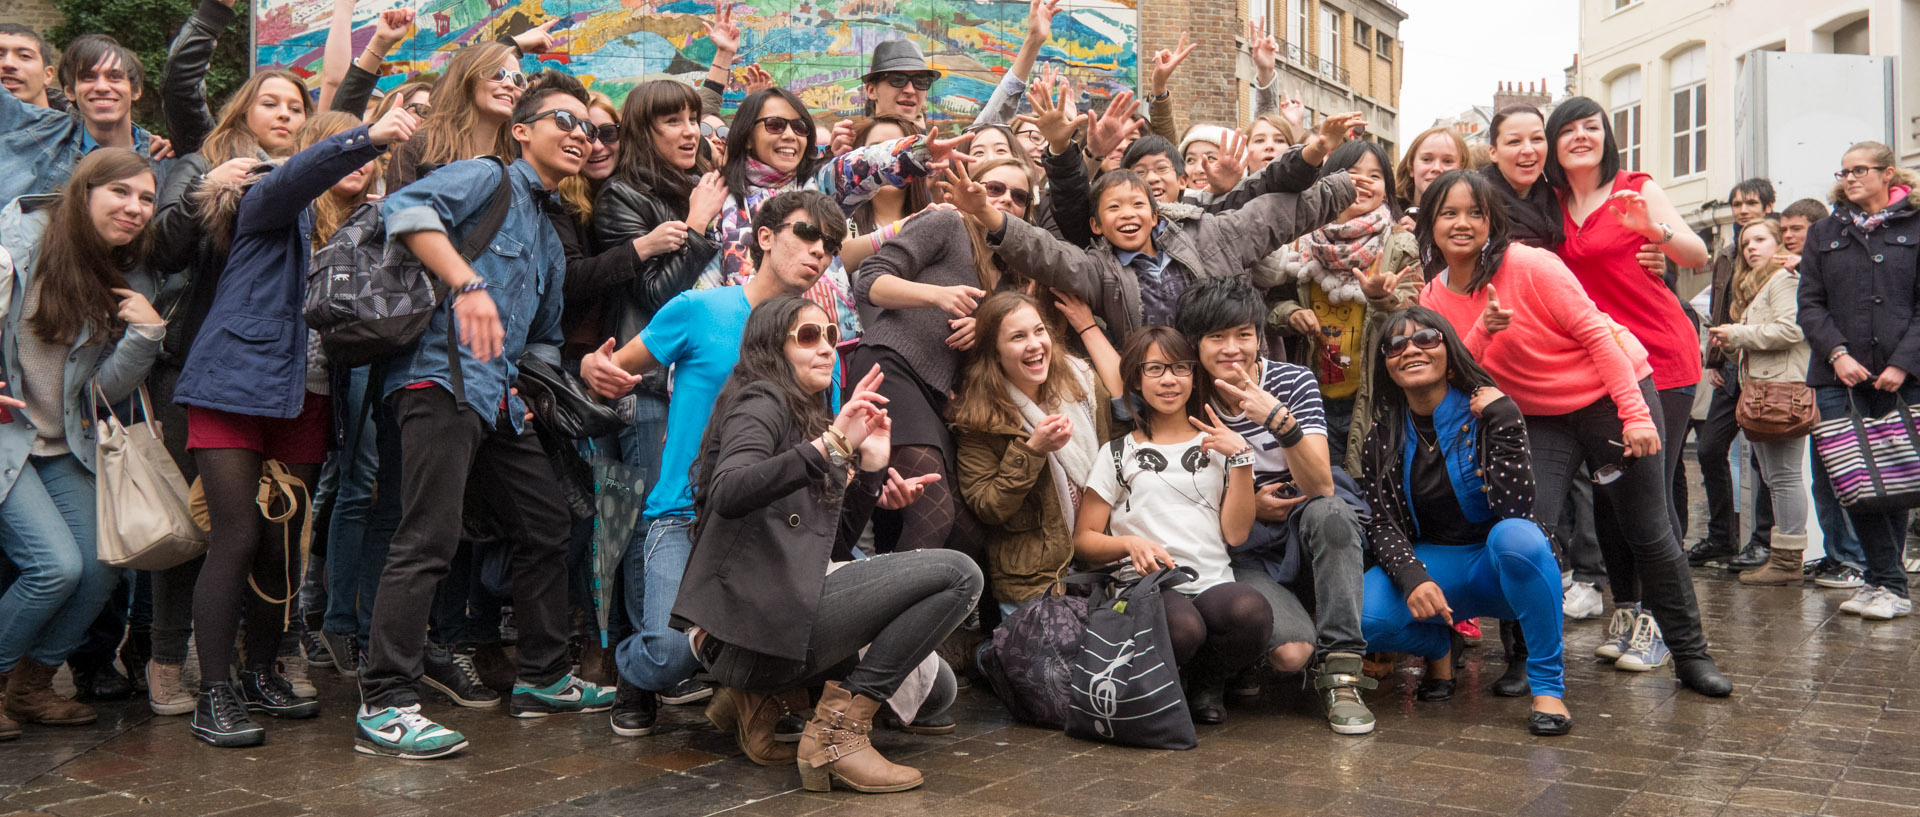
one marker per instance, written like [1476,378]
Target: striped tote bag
[1874,464]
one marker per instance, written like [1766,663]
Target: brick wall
[40,14]
[1196,88]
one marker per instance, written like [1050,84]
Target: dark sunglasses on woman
[920,81]
[1396,346]
[1020,195]
[808,231]
[518,79]
[777,125]
[808,334]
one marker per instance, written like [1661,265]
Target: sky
[1458,51]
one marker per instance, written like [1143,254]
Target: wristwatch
[1666,233]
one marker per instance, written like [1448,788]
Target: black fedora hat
[898,55]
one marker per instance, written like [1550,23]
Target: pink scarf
[1349,246]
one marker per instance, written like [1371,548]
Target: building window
[1330,38]
[1688,74]
[1362,34]
[1623,98]
[1854,37]
[1620,4]
[1383,44]
[1297,24]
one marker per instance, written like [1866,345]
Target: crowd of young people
[1365,403]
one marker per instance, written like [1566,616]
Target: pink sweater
[1560,353]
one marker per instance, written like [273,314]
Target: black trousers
[1716,436]
[443,445]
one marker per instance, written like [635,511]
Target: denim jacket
[119,367]
[524,267]
[40,146]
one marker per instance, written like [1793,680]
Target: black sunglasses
[1421,339]
[569,122]
[419,109]
[605,134]
[777,125]
[920,81]
[1020,195]
[808,231]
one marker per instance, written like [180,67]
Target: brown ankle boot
[835,747]
[31,699]
[751,717]
[9,729]
[1783,565]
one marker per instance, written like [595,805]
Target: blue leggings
[1513,576]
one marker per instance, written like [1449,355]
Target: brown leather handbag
[1775,411]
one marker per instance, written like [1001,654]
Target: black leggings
[231,479]
[1226,626]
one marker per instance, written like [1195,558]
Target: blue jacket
[524,267]
[119,367]
[250,356]
[39,147]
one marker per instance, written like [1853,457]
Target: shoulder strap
[490,222]
[1118,447]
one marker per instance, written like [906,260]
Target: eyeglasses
[712,132]
[567,121]
[1020,195]
[808,231]
[1859,170]
[1611,472]
[518,79]
[419,109]
[920,81]
[777,125]
[1421,339]
[1182,368]
[809,334]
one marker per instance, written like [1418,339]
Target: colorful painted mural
[819,48]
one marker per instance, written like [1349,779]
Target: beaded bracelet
[478,283]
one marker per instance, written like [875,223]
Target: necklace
[1430,444]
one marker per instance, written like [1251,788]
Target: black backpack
[370,300]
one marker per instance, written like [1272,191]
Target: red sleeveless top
[1603,255]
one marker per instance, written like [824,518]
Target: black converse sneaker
[270,693]
[221,719]
[451,672]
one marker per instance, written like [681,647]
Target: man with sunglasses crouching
[463,423]
[795,237]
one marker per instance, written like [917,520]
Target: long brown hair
[918,196]
[328,211]
[984,403]
[77,270]
[577,191]
[983,257]
[1403,172]
[230,137]
[638,162]
[400,93]
[452,132]
[1748,280]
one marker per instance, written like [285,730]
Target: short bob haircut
[1563,117]
[1490,204]
[1133,361]
[1347,155]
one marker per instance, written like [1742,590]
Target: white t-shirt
[1172,498]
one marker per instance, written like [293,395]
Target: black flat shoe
[1513,683]
[1208,704]
[1700,675]
[1549,725]
[1435,689]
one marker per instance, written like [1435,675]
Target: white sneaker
[1619,633]
[1859,601]
[1566,579]
[1582,600]
[294,669]
[1885,606]
[1646,650]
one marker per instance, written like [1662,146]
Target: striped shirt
[1300,393]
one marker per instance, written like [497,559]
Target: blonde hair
[576,191]
[1288,131]
[1881,155]
[329,212]
[452,133]
[1748,280]
[1403,172]
[230,137]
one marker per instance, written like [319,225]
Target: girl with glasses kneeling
[1446,470]
[781,489]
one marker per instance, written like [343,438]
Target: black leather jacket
[630,296]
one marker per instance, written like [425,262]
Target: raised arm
[1160,100]
[724,33]
[183,99]
[1005,101]
[279,197]
[356,89]
[755,465]
[1269,222]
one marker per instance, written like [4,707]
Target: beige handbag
[140,497]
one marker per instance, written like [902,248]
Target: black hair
[1491,205]
[1509,112]
[1760,188]
[1348,154]
[543,85]
[1147,146]
[1563,116]
[820,210]
[740,140]
[1810,209]
[1117,178]
[1216,304]
[1133,357]
[18,30]
[89,50]
[1389,400]
[763,362]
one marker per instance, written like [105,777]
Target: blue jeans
[1512,577]
[47,527]
[657,656]
[1883,536]
[642,442]
[362,525]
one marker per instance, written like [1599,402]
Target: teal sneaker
[404,733]
[569,694]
